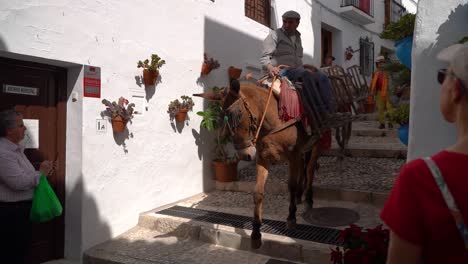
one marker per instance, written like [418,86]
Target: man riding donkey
[282,56]
[251,118]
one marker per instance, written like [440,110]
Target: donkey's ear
[211,95]
[234,87]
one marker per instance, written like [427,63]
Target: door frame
[61,118]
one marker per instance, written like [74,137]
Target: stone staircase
[360,182]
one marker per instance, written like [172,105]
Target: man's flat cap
[291,14]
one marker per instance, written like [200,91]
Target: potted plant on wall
[178,108]
[401,116]
[208,65]
[151,70]
[224,165]
[120,112]
[349,53]
[234,73]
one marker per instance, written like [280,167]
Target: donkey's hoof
[291,224]
[255,243]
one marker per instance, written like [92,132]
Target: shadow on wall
[230,47]
[449,33]
[84,227]
[3,46]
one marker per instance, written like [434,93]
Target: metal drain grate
[305,232]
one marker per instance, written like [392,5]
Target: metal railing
[396,11]
[367,6]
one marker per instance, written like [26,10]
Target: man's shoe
[382,126]
[390,125]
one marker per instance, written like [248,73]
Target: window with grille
[258,10]
[366,56]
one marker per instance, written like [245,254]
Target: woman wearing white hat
[379,88]
[427,210]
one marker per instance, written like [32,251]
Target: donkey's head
[240,123]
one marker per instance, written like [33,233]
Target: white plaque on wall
[31,136]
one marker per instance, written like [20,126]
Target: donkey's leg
[295,168]
[302,179]
[262,174]
[311,165]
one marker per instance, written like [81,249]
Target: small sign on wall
[92,81]
[16,89]
[101,126]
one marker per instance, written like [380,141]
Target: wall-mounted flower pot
[206,68]
[403,132]
[349,56]
[234,73]
[181,115]
[149,77]
[118,124]
[225,171]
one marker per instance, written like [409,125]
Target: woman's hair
[7,120]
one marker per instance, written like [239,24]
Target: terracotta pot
[369,107]
[206,69]
[349,56]
[181,115]
[149,77]
[234,73]
[118,124]
[225,171]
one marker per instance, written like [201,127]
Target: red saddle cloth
[290,107]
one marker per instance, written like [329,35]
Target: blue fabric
[403,51]
[403,132]
[321,92]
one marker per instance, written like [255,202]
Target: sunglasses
[441,75]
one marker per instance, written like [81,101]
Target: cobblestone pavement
[275,207]
[364,174]
[144,246]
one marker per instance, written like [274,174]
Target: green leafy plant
[213,114]
[400,115]
[120,108]
[400,29]
[400,74]
[186,103]
[156,63]
[221,152]
[463,40]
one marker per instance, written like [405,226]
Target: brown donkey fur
[246,102]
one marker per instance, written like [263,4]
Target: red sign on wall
[92,82]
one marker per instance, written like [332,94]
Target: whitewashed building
[107,179]
[439,24]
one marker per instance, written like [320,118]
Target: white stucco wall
[410,5]
[439,24]
[106,186]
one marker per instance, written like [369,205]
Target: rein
[252,119]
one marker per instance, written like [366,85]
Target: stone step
[351,179]
[281,188]
[142,245]
[371,129]
[160,238]
[371,147]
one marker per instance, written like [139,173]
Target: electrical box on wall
[140,104]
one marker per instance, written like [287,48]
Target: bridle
[233,121]
[253,128]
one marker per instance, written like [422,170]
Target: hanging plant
[120,112]
[208,65]
[151,70]
[399,30]
[178,109]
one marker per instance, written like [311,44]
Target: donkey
[244,105]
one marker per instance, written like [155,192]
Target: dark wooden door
[326,44]
[37,91]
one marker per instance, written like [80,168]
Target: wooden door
[326,44]
[39,92]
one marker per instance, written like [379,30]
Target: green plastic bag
[45,204]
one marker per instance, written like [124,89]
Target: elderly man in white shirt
[18,178]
